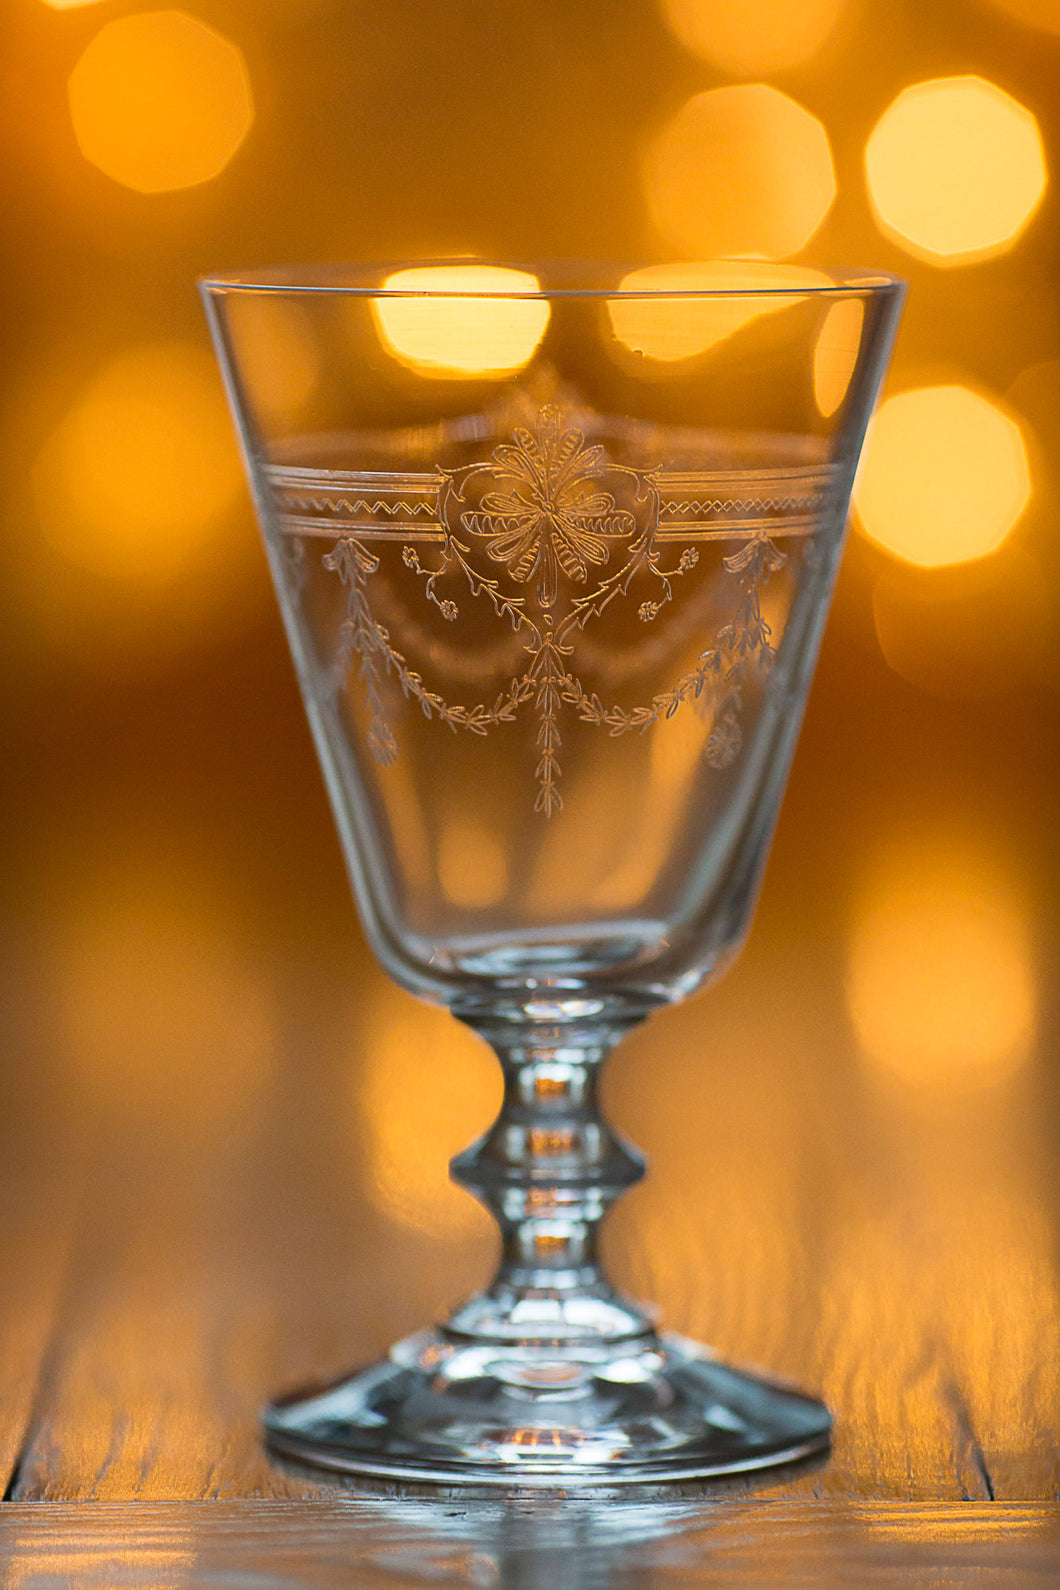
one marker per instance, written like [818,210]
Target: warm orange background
[182,959]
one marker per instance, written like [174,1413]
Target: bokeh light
[944,477]
[751,37]
[1035,396]
[836,353]
[743,172]
[670,329]
[425,1090]
[462,336]
[134,481]
[160,101]
[69,5]
[940,974]
[933,638]
[955,170]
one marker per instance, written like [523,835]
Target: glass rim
[348,280]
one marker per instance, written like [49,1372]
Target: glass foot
[653,1409]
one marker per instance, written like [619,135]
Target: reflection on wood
[372,1545]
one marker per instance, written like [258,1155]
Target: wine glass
[554,547]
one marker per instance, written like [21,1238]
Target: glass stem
[548,1170]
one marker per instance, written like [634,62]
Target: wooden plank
[34,1253]
[42,1204]
[364,1544]
[164,1352]
[226,1266]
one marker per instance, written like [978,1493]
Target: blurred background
[184,984]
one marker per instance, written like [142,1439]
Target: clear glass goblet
[554,548]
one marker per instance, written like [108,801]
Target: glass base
[447,1410]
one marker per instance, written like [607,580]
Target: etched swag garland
[560,518]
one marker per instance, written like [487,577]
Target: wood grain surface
[844,1238]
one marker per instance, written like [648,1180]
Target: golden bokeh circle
[944,477]
[133,483]
[159,101]
[955,170]
[940,973]
[740,172]
[750,37]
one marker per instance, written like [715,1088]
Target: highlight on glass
[554,548]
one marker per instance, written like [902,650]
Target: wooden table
[224,1137]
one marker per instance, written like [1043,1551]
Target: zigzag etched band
[387,505]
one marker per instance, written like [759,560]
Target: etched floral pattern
[558,515]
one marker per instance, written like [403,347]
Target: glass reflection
[526,1543]
[465,335]
[661,330]
[36,1561]
[836,354]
